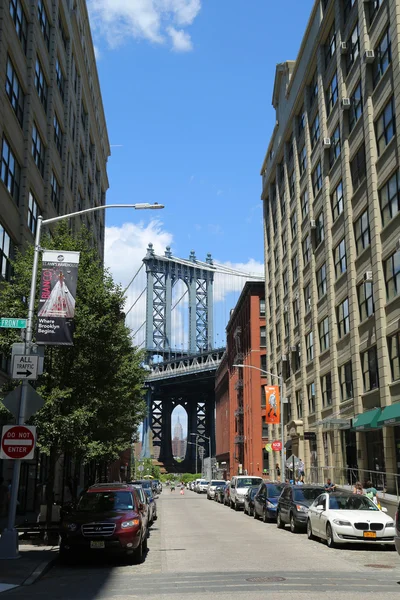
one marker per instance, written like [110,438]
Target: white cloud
[156,21]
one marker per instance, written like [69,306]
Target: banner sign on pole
[57,298]
[273,405]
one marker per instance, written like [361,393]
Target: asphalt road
[200,549]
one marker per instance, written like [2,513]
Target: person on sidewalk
[371,492]
[358,488]
[329,486]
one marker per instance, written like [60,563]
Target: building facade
[332,239]
[241,432]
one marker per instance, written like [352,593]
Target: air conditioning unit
[369,56]
[346,103]
[296,296]
[293,348]
[309,302]
[285,308]
[367,276]
[284,357]
[398,244]
[313,224]
[343,47]
[326,142]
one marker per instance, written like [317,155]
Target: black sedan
[266,500]
[219,493]
[249,500]
[293,505]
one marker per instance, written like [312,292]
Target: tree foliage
[93,389]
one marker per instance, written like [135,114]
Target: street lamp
[9,537]
[280,379]
[209,448]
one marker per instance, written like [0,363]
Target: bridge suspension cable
[136,301]
[133,278]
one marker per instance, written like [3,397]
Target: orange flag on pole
[273,404]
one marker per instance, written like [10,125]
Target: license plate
[97,545]
[370,534]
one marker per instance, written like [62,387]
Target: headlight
[302,508]
[130,524]
[341,522]
[390,524]
[269,504]
[70,526]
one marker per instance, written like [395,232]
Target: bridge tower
[163,272]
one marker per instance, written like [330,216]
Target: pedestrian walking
[278,472]
[358,488]
[182,489]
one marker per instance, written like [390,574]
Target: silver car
[212,486]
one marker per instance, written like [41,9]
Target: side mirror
[384,509]
[320,507]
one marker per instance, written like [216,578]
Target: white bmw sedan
[343,518]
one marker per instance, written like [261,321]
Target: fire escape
[239,412]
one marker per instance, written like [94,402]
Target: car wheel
[231,504]
[265,516]
[329,536]
[293,526]
[279,523]
[310,534]
[255,515]
[236,507]
[144,546]
[137,555]
[245,510]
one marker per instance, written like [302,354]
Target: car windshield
[356,502]
[307,495]
[148,492]
[252,491]
[144,484]
[274,491]
[217,482]
[204,482]
[248,481]
[105,501]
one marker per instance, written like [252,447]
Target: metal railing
[386,483]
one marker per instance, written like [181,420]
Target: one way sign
[25,367]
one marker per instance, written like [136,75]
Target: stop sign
[277,446]
[18,442]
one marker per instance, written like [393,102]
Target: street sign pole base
[9,545]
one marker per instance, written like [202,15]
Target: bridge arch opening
[179,428]
[180,318]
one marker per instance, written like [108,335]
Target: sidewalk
[34,562]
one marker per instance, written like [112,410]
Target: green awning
[390,415]
[367,420]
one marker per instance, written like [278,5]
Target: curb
[41,570]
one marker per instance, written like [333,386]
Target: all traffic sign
[18,442]
[277,446]
[25,367]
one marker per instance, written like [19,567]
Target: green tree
[93,390]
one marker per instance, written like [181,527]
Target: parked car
[196,485]
[344,518]
[145,483]
[219,493]
[143,500]
[249,500]
[151,500]
[293,505]
[397,523]
[157,486]
[227,494]
[202,486]
[239,486]
[109,518]
[214,483]
[266,500]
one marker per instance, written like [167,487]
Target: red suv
[109,518]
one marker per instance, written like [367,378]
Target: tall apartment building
[331,195]
[54,142]
[240,429]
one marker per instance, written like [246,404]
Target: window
[316,179]
[14,91]
[264,430]
[358,167]
[392,275]
[337,201]
[361,232]
[21,25]
[293,224]
[373,9]
[346,381]
[62,32]
[301,122]
[299,403]
[314,88]
[319,229]
[383,57]
[296,362]
[385,126]
[366,299]
[283,204]
[307,297]
[309,346]
[10,170]
[278,333]
[292,182]
[285,282]
[353,47]
[263,336]
[83,117]
[323,328]
[55,192]
[389,196]
[40,83]
[286,323]
[394,355]
[38,150]
[263,364]
[73,124]
[284,243]
[335,148]
[369,366]
[326,389]
[5,254]
[262,307]
[44,23]
[81,158]
[356,106]
[311,397]
[295,268]
[343,318]
[330,45]
[347,6]
[321,281]
[306,249]
[58,135]
[332,93]
[71,169]
[303,160]
[315,131]
[296,312]
[60,79]
[33,210]
[304,204]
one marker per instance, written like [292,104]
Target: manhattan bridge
[178,310]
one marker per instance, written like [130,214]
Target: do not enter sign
[276,446]
[18,442]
